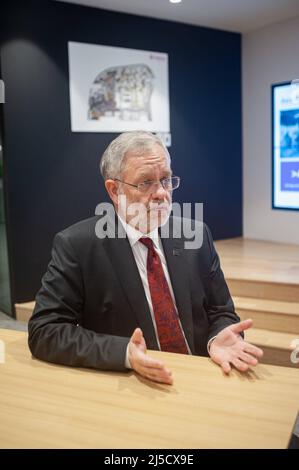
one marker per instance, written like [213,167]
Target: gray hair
[111,164]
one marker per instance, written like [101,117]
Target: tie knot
[148,242]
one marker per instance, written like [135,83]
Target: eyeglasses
[146,187]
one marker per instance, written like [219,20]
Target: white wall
[270,55]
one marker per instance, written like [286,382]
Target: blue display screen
[285,145]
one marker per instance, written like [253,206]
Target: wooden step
[260,269]
[263,290]
[24,311]
[269,314]
[277,346]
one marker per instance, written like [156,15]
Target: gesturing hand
[228,348]
[144,365]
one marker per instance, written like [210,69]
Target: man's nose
[159,191]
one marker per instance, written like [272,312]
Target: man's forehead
[149,167]
[152,152]
[147,161]
[153,171]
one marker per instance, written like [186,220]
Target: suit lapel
[175,255]
[123,262]
[125,267]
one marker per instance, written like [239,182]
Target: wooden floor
[260,261]
[263,278]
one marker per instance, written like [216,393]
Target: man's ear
[112,189]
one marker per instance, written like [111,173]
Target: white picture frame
[115,89]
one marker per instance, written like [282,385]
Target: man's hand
[144,365]
[228,347]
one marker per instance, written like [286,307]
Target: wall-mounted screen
[285,145]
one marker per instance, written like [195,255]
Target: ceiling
[231,15]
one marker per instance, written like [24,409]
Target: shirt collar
[134,235]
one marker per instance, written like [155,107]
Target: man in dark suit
[115,286]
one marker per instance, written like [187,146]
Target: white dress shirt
[140,254]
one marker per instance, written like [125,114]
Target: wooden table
[50,406]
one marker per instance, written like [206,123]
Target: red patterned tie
[169,331]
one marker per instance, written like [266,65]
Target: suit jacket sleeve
[221,310]
[55,334]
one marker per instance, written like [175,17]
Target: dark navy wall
[52,174]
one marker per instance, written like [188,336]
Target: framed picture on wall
[114,89]
[285,145]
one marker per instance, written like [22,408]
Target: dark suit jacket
[92,298]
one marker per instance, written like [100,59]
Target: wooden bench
[24,311]
[276,325]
